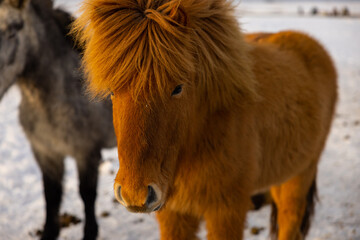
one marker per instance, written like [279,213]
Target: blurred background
[336,24]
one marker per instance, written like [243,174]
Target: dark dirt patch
[140,220]
[36,233]
[105,214]
[256,230]
[67,219]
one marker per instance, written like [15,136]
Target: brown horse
[204,118]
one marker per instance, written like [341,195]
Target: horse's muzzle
[150,204]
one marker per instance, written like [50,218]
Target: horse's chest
[197,189]
[49,129]
[188,197]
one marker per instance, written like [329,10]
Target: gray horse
[57,118]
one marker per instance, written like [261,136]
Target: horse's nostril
[118,194]
[151,198]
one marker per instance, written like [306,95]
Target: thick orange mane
[150,46]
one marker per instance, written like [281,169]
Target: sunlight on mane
[149,47]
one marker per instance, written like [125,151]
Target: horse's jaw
[12,63]
[5,82]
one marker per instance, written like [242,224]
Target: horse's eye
[177,90]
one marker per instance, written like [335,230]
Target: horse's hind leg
[294,204]
[52,169]
[87,166]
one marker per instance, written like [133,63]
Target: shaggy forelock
[133,44]
[150,46]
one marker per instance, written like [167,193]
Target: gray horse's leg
[52,169]
[88,175]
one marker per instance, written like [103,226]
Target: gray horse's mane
[63,20]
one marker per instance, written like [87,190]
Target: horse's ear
[18,3]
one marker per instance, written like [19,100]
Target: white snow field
[337,214]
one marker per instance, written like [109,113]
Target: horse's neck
[50,75]
[52,63]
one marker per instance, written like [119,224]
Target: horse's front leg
[87,166]
[227,222]
[52,169]
[177,226]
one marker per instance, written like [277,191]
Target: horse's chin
[4,87]
[144,209]
[2,93]
[8,76]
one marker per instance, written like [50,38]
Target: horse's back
[311,54]
[301,53]
[297,82]
[315,57]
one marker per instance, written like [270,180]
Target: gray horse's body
[57,117]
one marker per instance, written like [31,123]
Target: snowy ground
[337,215]
[293,8]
